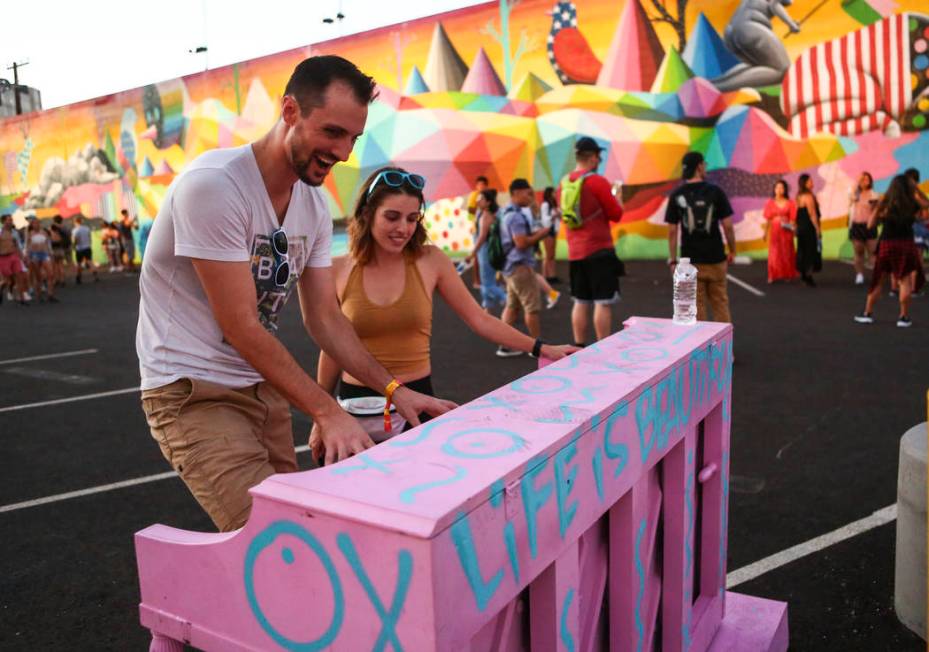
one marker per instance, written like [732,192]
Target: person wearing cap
[696,210]
[593,266]
[522,286]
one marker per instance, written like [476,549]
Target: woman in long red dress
[781,215]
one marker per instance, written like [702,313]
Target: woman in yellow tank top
[385,285]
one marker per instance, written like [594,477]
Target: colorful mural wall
[764,89]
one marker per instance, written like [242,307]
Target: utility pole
[15,68]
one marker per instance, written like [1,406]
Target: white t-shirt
[219,209]
[81,237]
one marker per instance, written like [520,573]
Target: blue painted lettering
[389,617]
[563,486]
[534,499]
[467,556]
[262,541]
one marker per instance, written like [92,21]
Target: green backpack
[571,200]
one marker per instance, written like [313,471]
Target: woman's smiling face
[395,222]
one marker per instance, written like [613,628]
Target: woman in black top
[897,254]
[809,232]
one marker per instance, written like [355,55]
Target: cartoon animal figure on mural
[570,54]
[750,36]
[165,108]
[874,78]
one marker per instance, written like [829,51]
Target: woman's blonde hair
[360,241]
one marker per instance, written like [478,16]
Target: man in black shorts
[593,263]
[82,248]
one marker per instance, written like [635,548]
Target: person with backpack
[700,212]
[488,238]
[588,206]
[519,240]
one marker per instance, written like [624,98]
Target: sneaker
[503,352]
[553,297]
[864,318]
[859,279]
[52,299]
[892,293]
[904,322]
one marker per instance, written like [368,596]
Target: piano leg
[164,644]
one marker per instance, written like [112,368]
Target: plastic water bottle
[685,293]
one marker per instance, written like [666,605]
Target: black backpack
[696,211]
[495,251]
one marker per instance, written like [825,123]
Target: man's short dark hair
[58,219]
[913,174]
[312,77]
[124,212]
[481,179]
[689,165]
[519,184]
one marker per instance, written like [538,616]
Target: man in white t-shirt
[239,229]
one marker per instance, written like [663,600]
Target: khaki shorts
[522,290]
[222,441]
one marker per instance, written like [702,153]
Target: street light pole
[15,68]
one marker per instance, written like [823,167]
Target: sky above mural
[98,47]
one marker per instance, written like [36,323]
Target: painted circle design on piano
[262,541]
[466,444]
[541,384]
[644,354]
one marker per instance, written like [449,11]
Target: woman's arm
[327,373]
[328,370]
[456,295]
[770,210]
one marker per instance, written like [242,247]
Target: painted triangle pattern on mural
[672,74]
[445,69]
[529,88]
[700,99]
[482,78]
[415,84]
[705,52]
[635,52]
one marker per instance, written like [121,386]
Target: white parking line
[49,356]
[734,578]
[762,566]
[58,401]
[103,488]
[745,286]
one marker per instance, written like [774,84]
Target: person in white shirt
[238,230]
[83,254]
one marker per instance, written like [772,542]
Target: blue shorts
[38,257]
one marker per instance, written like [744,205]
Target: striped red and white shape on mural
[851,85]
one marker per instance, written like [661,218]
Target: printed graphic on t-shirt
[265,263]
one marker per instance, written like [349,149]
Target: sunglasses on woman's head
[395,179]
[281,260]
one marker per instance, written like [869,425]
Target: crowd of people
[242,228]
[40,258]
[884,232]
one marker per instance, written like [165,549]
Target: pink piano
[581,507]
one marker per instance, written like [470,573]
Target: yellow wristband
[389,393]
